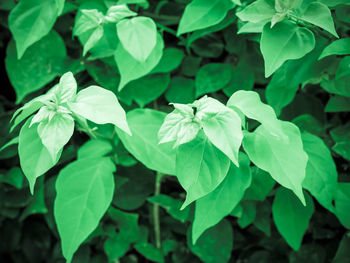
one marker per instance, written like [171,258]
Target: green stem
[156,221]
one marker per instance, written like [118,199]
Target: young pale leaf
[249,103]
[179,126]
[291,217]
[279,156]
[138,36]
[201,14]
[143,144]
[34,158]
[67,87]
[215,245]
[87,20]
[84,192]
[338,47]
[55,133]
[117,12]
[212,208]
[31,20]
[200,167]
[212,77]
[257,12]
[321,173]
[131,69]
[319,14]
[41,63]
[100,106]
[284,41]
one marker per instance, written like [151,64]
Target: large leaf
[321,173]
[215,245]
[131,69]
[342,204]
[40,64]
[338,47]
[291,217]
[138,36]
[284,41]
[249,103]
[319,14]
[35,159]
[31,20]
[143,144]
[279,156]
[100,106]
[84,192]
[213,207]
[200,167]
[200,14]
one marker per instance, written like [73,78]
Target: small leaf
[94,148]
[67,87]
[117,12]
[291,217]
[279,156]
[100,106]
[171,60]
[200,167]
[138,36]
[35,159]
[200,14]
[84,192]
[95,36]
[284,41]
[131,69]
[212,208]
[258,11]
[337,47]
[342,201]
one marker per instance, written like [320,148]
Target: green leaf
[117,12]
[95,36]
[150,252]
[337,86]
[321,173]
[341,137]
[40,64]
[84,192]
[35,159]
[172,206]
[248,213]
[200,167]
[215,245]
[94,148]
[100,106]
[145,90]
[212,208]
[143,144]
[171,60]
[138,36]
[337,47]
[249,103]
[262,184]
[131,69]
[181,90]
[56,133]
[319,14]
[31,20]
[87,20]
[283,42]
[343,69]
[291,217]
[212,77]
[258,11]
[338,104]
[200,14]
[222,125]
[279,156]
[342,201]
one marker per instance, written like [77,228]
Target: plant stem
[156,221]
